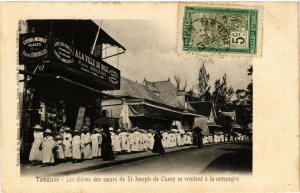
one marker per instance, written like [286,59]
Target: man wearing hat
[36,155]
[67,143]
[47,148]
[86,143]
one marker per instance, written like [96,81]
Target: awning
[40,80]
[145,110]
[104,38]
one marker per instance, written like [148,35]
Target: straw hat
[48,131]
[67,129]
[37,126]
[58,137]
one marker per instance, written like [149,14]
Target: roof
[230,114]
[167,92]
[132,89]
[202,107]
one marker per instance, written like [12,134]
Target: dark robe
[106,148]
[158,147]
[200,140]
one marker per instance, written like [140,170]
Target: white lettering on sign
[64,52]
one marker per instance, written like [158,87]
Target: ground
[214,158]
[223,157]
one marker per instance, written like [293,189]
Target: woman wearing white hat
[36,155]
[86,142]
[67,143]
[76,146]
[95,143]
[47,148]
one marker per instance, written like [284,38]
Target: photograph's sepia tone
[91,103]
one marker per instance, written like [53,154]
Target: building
[208,120]
[62,74]
[148,105]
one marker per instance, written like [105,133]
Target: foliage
[222,94]
[203,89]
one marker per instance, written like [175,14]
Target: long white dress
[130,142]
[35,152]
[59,152]
[117,143]
[123,138]
[95,144]
[67,144]
[76,147]
[86,146]
[136,141]
[48,145]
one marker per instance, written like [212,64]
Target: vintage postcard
[149,97]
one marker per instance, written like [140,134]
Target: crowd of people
[67,145]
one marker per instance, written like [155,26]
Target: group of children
[138,140]
[76,145]
[47,149]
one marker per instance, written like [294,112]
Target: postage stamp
[231,30]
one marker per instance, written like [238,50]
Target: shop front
[62,77]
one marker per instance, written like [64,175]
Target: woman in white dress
[95,142]
[76,146]
[117,143]
[36,155]
[47,148]
[86,142]
[67,143]
[59,152]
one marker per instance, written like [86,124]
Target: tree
[222,94]
[203,89]
[244,102]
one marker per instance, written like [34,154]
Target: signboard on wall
[73,59]
[33,48]
[68,61]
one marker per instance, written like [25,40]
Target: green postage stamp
[220,30]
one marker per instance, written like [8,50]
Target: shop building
[208,120]
[62,74]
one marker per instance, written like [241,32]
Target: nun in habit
[106,147]
[158,147]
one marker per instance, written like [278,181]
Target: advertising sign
[33,48]
[74,59]
[67,60]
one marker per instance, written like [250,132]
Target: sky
[151,54]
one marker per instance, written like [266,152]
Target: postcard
[149,96]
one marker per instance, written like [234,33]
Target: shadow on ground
[235,160]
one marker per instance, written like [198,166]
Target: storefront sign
[74,59]
[64,58]
[33,48]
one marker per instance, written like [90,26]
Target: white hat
[37,126]
[111,129]
[48,131]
